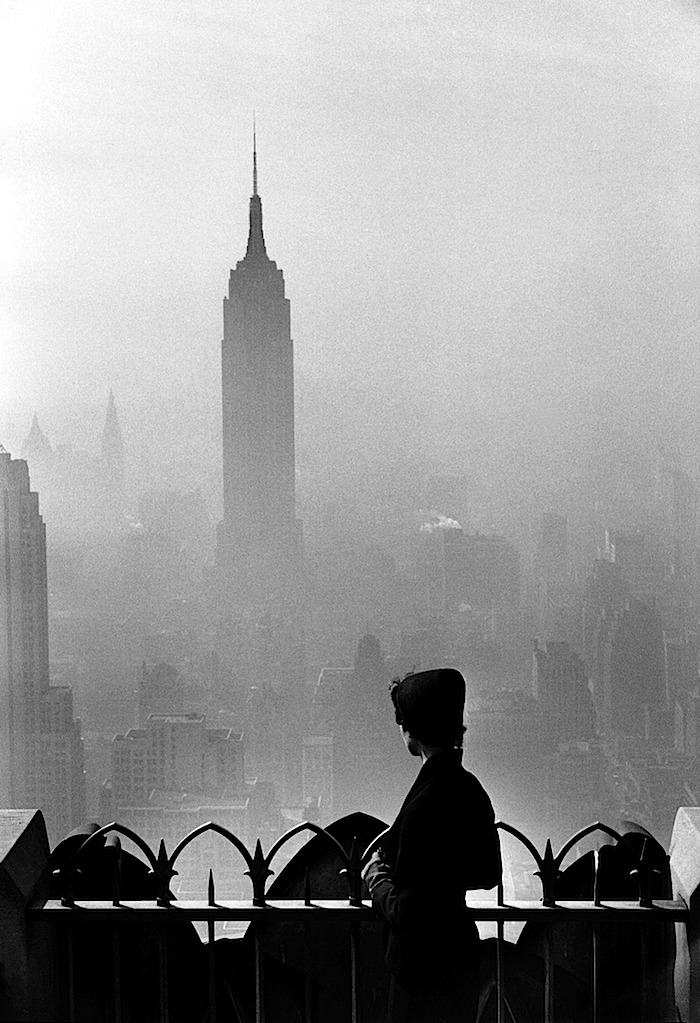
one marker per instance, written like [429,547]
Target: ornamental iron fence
[563,972]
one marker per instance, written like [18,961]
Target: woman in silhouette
[442,844]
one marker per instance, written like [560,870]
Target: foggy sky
[486,213]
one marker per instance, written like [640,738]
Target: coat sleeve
[438,860]
[480,859]
[483,868]
[405,898]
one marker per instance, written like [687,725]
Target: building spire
[36,445]
[256,241]
[112,446]
[255,160]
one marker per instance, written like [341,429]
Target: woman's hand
[374,871]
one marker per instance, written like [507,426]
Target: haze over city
[349,477]
[486,217]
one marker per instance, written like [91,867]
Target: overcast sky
[485,211]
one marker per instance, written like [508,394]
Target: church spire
[256,241]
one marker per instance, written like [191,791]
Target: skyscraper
[259,540]
[36,444]
[41,755]
[24,639]
[112,447]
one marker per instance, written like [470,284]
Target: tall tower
[41,751]
[112,446]
[259,540]
[24,622]
[36,445]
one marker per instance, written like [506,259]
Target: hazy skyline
[487,217]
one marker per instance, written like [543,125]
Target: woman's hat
[430,704]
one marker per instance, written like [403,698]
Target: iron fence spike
[354,873]
[548,874]
[258,874]
[164,872]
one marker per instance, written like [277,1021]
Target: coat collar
[441,761]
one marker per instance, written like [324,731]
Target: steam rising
[439,522]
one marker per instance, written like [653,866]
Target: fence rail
[608,912]
[70,917]
[645,864]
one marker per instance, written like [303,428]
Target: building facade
[176,753]
[176,774]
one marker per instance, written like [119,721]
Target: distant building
[259,546]
[642,570]
[112,448]
[682,651]
[36,446]
[455,570]
[269,728]
[687,725]
[506,721]
[638,679]
[176,753]
[176,774]
[481,572]
[647,780]
[506,745]
[560,686]
[551,559]
[576,787]
[160,692]
[555,616]
[83,492]
[317,774]
[604,599]
[429,564]
[352,706]
[330,687]
[41,754]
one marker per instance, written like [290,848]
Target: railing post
[685,876]
[211,937]
[25,948]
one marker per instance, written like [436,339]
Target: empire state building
[259,548]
